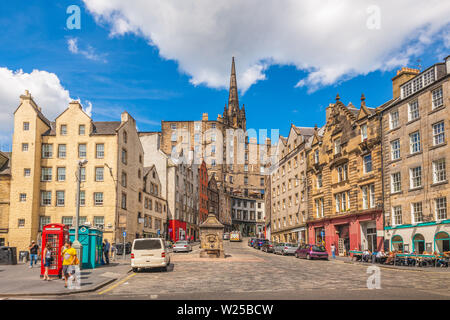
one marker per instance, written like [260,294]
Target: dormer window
[337,146]
[418,83]
[364,132]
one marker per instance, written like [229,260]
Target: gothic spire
[233,100]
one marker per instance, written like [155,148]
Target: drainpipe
[382,178]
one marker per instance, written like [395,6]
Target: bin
[8,255]
[91,239]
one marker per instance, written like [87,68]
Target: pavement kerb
[64,293]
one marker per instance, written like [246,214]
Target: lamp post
[76,244]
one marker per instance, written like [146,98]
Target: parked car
[267,246]
[149,253]
[311,251]
[182,246]
[235,236]
[258,243]
[119,247]
[285,248]
[226,236]
[251,241]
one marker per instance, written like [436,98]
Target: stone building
[5,188]
[287,190]
[45,157]
[244,214]
[154,214]
[213,196]
[344,178]
[416,155]
[203,193]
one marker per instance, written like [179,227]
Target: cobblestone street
[250,274]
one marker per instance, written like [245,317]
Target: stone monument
[211,238]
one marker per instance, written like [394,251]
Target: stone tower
[233,115]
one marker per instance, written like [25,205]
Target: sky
[170,60]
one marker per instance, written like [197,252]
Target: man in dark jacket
[34,250]
[106,247]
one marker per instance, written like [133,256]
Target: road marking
[118,283]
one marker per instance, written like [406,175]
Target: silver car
[182,246]
[285,248]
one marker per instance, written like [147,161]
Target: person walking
[47,260]
[69,259]
[106,248]
[34,249]
[113,251]
[333,250]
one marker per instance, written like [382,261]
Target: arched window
[442,242]
[418,243]
[397,243]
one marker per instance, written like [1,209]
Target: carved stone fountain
[211,238]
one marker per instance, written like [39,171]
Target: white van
[149,253]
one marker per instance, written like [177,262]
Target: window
[82,150]
[23,197]
[68,221]
[213,149]
[414,141]
[63,130]
[393,119]
[83,174]
[124,201]
[100,150]
[47,150]
[319,180]
[174,136]
[61,174]
[98,198]
[395,149]
[82,198]
[213,162]
[245,180]
[413,110]
[245,167]
[416,210]
[368,195]
[415,177]
[46,198]
[440,205]
[124,156]
[26,172]
[99,222]
[363,132]
[438,133]
[437,100]
[26,126]
[125,137]
[43,221]
[367,163]
[81,129]
[316,156]
[24,146]
[396,183]
[397,215]
[342,172]
[439,172]
[21,223]
[46,174]
[60,198]
[196,137]
[337,146]
[61,150]
[173,126]
[319,207]
[99,174]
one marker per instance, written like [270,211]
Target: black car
[267,246]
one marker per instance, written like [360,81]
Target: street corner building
[415,126]
[44,162]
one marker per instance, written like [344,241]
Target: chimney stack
[403,76]
[204,117]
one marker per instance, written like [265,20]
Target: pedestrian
[47,260]
[333,250]
[34,249]
[106,248]
[70,258]
[113,251]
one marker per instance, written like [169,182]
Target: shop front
[177,230]
[358,231]
[423,237]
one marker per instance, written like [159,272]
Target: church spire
[233,100]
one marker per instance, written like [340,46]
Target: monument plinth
[211,238]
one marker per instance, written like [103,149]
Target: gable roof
[5,163]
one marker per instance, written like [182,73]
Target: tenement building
[416,156]
[287,190]
[44,163]
[344,176]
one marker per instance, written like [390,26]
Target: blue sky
[116,71]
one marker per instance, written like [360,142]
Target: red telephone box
[56,234]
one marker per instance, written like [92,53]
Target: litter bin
[24,256]
[8,255]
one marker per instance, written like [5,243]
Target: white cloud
[45,88]
[89,53]
[329,39]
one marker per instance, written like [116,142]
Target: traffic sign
[124,234]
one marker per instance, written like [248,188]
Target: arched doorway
[397,243]
[442,242]
[418,243]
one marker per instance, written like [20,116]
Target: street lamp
[76,244]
